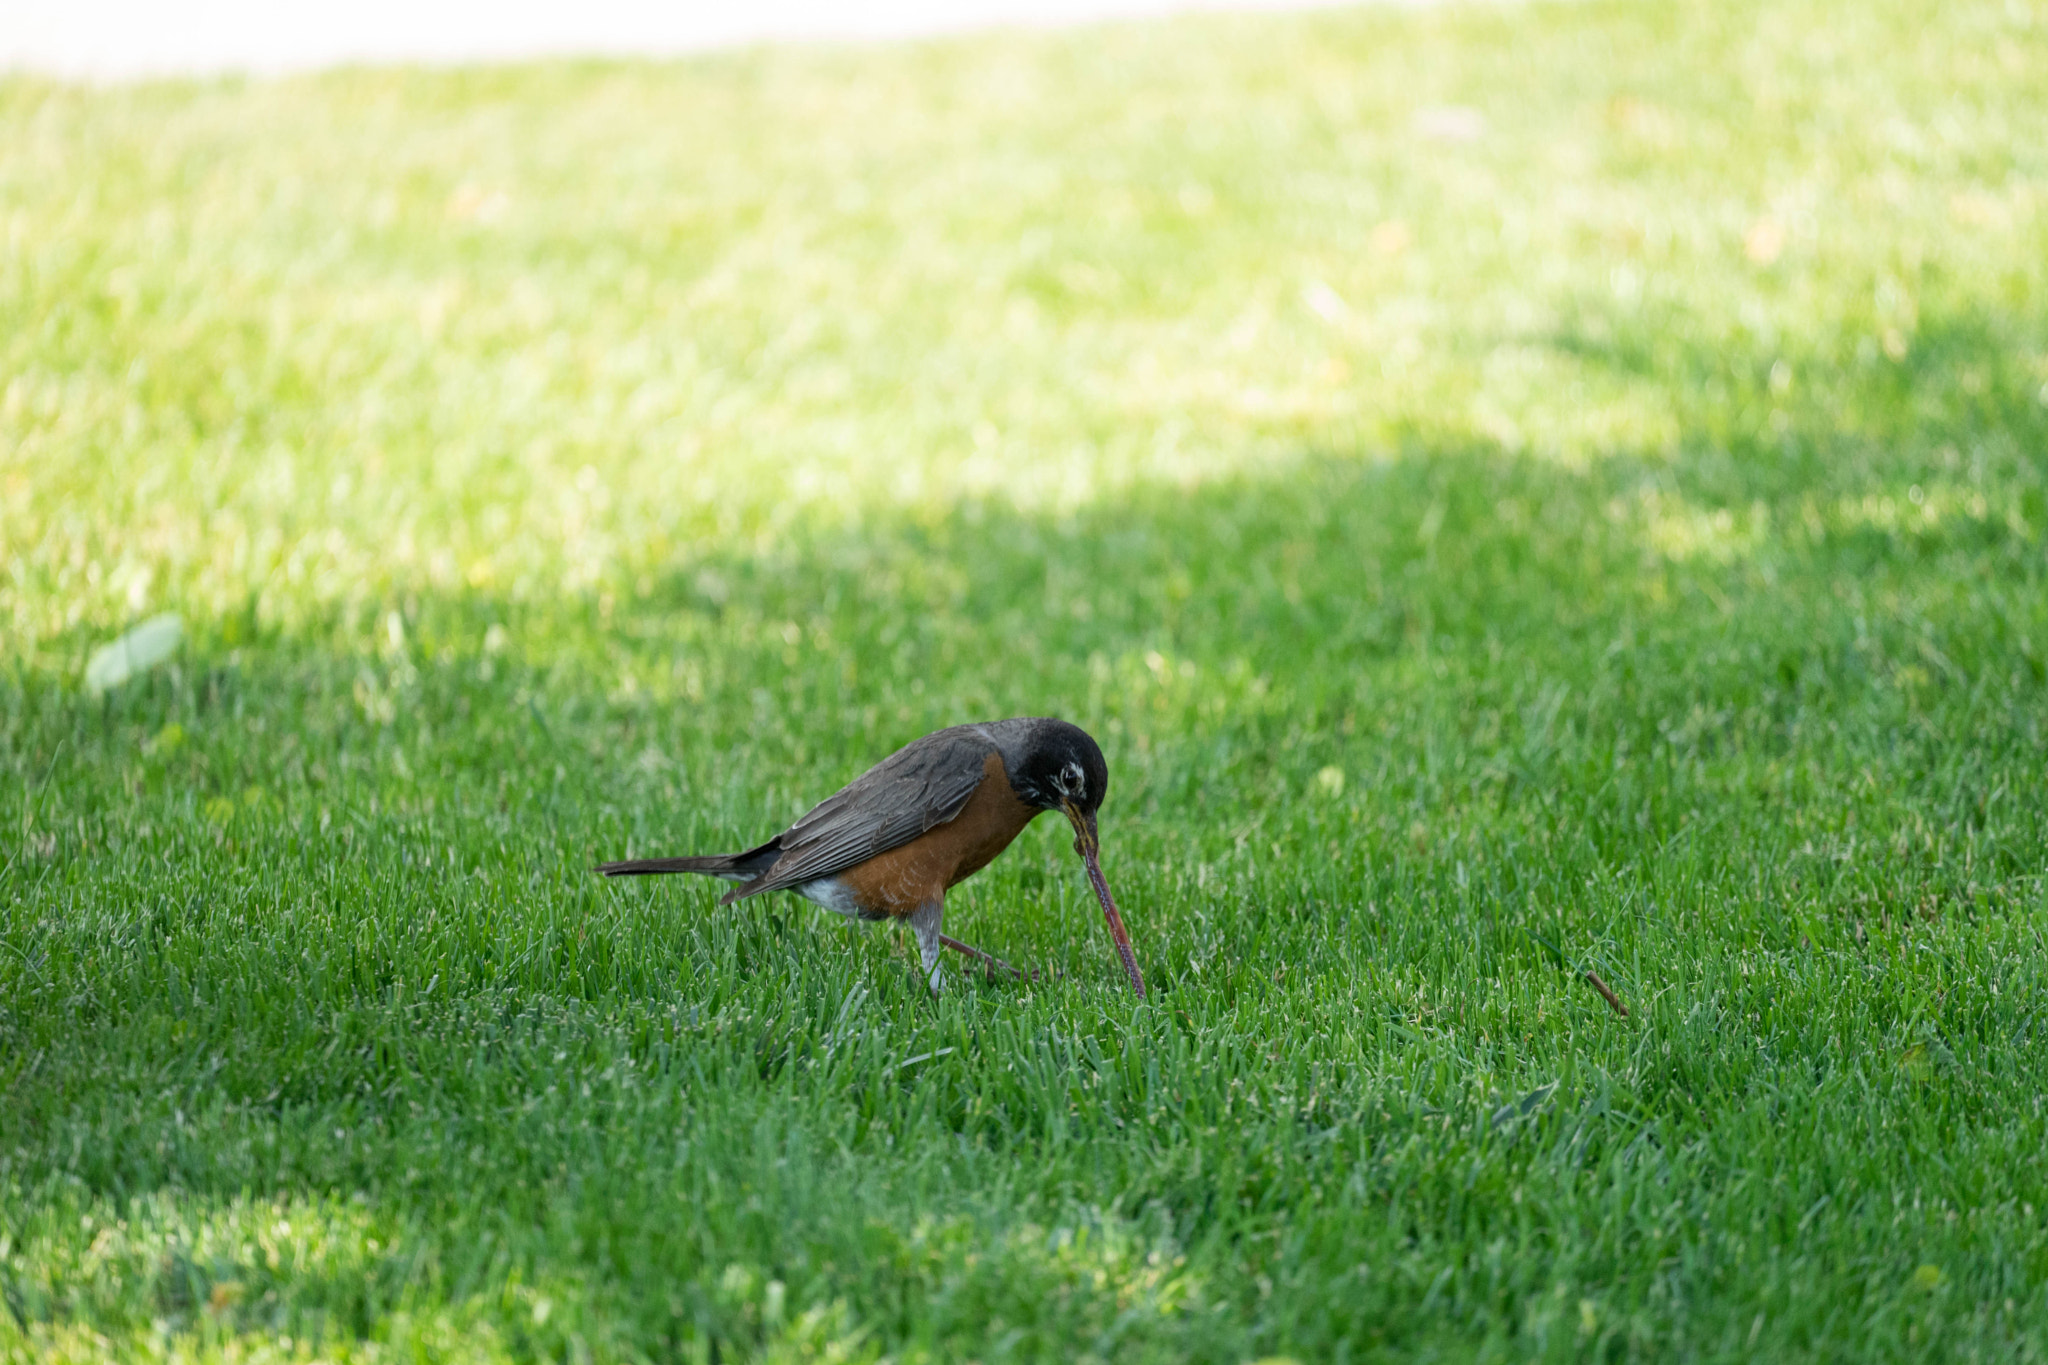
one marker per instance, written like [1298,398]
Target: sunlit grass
[1516,491]
[315,342]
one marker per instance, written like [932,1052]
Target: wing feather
[920,786]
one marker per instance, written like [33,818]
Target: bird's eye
[1073,782]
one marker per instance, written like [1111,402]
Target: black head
[1056,766]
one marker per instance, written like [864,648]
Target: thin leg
[985,959]
[925,922]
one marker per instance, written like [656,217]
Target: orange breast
[918,873]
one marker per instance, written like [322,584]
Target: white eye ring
[1071,780]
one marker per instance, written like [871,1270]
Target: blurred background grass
[554,331]
[1509,486]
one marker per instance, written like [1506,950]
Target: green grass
[1612,542]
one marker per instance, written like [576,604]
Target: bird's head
[1059,768]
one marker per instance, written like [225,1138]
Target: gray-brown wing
[922,785]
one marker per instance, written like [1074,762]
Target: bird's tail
[736,867]
[717,865]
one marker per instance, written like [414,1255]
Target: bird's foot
[988,961]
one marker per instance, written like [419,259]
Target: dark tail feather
[718,865]
[743,866]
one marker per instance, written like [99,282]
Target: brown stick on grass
[1593,979]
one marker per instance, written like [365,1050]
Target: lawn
[1516,490]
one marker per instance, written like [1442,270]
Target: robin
[890,843]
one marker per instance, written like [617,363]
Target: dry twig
[1593,979]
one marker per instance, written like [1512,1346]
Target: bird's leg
[986,959]
[925,922]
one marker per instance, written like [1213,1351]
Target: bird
[892,842]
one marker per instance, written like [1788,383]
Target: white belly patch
[828,892]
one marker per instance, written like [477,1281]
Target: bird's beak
[1089,847]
